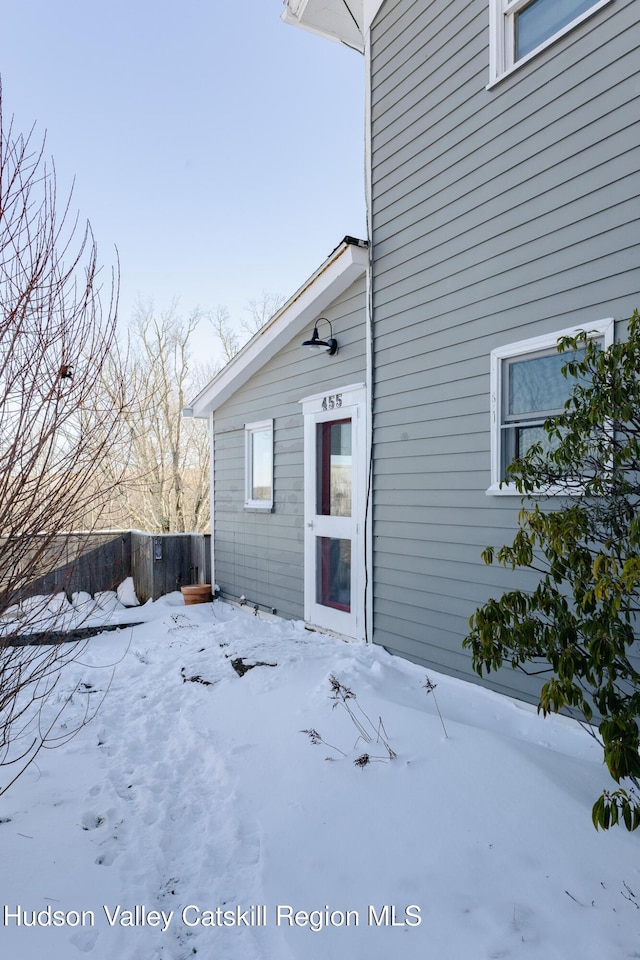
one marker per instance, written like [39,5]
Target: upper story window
[259,465]
[522,28]
[527,388]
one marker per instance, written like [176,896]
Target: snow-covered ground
[193,818]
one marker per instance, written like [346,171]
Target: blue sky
[219,149]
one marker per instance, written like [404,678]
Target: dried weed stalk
[342,696]
[430,687]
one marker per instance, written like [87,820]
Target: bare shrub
[55,340]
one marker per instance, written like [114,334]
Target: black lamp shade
[330,345]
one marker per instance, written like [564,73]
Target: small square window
[522,28]
[259,465]
[527,388]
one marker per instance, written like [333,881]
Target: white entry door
[335,476]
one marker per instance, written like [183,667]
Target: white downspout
[369,339]
[212,501]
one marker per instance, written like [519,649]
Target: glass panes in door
[334,468]
[333,571]
[333,500]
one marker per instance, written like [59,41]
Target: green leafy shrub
[580,623]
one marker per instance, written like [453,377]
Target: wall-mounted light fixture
[330,345]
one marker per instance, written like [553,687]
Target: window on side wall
[527,388]
[522,28]
[259,465]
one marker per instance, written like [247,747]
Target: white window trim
[600,328]
[502,31]
[249,430]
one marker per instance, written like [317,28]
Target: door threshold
[315,628]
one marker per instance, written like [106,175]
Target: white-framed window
[527,388]
[259,465]
[522,28]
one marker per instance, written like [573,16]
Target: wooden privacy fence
[158,563]
[165,562]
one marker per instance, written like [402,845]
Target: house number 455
[333,402]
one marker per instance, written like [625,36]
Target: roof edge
[337,20]
[348,261]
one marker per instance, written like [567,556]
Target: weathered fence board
[166,562]
[101,560]
[78,561]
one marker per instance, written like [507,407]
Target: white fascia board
[331,19]
[343,267]
[339,20]
[371,8]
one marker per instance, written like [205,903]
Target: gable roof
[343,267]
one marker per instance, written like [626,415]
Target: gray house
[502,190]
[289,434]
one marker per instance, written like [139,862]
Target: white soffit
[348,262]
[340,20]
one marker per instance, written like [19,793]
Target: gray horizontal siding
[497,215]
[459,136]
[260,555]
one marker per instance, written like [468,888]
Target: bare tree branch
[226,334]
[164,458]
[230,339]
[260,311]
[55,340]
